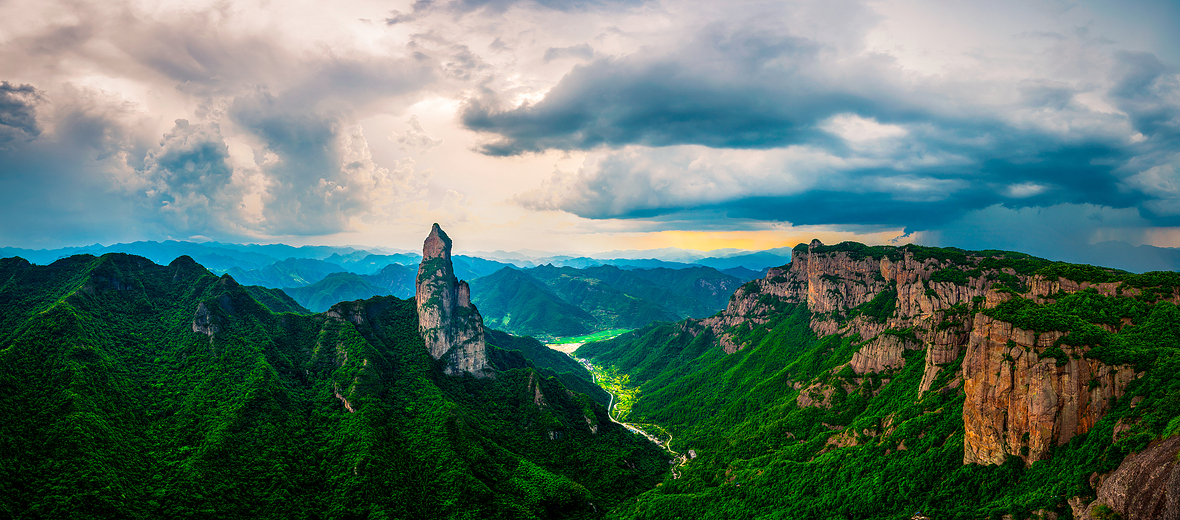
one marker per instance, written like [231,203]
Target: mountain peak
[447,320]
[437,244]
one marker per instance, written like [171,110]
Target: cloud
[720,98]
[18,119]
[735,87]
[581,51]
[190,181]
[415,138]
[56,186]
[888,178]
[768,126]
[320,175]
[1055,232]
[1149,92]
[421,8]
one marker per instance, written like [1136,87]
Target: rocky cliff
[449,323]
[1022,402]
[1025,390]
[1145,486]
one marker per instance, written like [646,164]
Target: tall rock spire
[447,320]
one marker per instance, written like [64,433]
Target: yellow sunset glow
[750,240]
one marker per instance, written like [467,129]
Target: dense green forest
[333,288]
[550,302]
[877,447]
[135,390]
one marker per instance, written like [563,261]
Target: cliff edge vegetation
[876,381]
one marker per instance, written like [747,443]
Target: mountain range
[548,301]
[852,382]
[873,382]
[134,390]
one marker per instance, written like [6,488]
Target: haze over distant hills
[220,257]
[319,276]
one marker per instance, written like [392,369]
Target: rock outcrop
[1145,486]
[447,320]
[1018,400]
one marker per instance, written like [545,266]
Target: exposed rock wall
[447,320]
[884,353]
[1021,403]
[1146,486]
[1018,402]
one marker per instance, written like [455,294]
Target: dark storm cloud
[319,173]
[18,118]
[1150,94]
[731,88]
[863,197]
[55,187]
[626,185]
[941,155]
[190,179]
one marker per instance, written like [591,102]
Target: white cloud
[856,129]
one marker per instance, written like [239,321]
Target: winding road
[610,407]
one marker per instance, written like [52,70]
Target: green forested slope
[617,299]
[876,447]
[551,363]
[332,289]
[275,299]
[286,273]
[512,300]
[549,301]
[133,390]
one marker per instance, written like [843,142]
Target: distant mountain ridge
[549,301]
[220,257]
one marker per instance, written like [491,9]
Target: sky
[591,125]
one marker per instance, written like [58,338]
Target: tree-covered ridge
[131,389]
[550,301]
[333,288]
[866,417]
[512,300]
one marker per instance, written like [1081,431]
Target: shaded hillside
[872,382]
[550,301]
[619,298]
[512,300]
[363,262]
[291,272]
[707,289]
[332,289]
[551,363]
[275,299]
[392,280]
[135,390]
[471,267]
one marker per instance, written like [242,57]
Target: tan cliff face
[447,320]
[1018,402]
